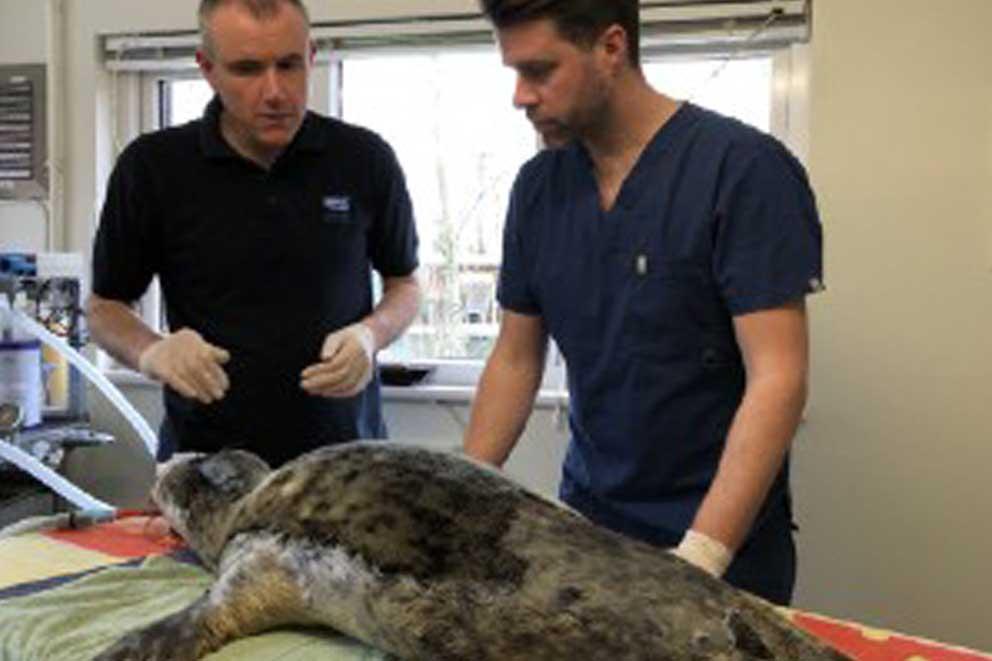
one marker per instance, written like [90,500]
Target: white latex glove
[188,364]
[704,552]
[346,362]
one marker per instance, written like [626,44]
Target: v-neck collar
[634,185]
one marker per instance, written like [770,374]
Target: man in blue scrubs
[668,251]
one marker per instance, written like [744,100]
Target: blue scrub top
[715,220]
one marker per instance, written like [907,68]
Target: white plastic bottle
[20,367]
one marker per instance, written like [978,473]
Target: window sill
[461,394]
[453,394]
[125,377]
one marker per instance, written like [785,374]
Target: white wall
[23,40]
[891,468]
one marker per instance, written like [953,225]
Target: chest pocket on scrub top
[672,302]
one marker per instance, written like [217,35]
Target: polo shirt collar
[311,137]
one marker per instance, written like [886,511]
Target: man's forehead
[259,52]
[531,42]
[246,53]
[239,34]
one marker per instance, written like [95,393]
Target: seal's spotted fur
[429,556]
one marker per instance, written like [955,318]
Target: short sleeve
[769,245]
[394,242]
[127,245]
[515,292]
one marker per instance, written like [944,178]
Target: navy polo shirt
[715,220]
[264,263]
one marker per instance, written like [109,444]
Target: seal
[428,555]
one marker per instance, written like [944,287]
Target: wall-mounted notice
[23,174]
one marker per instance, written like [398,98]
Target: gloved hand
[188,364]
[704,552]
[346,362]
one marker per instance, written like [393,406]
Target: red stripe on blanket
[125,538]
[871,645]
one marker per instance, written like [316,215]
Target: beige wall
[892,466]
[22,28]
[22,226]
[23,40]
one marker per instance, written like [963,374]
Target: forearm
[503,402]
[757,442]
[396,310]
[118,330]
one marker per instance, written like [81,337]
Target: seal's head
[199,494]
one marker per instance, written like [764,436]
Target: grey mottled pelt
[429,556]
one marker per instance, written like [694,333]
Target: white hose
[139,424]
[51,479]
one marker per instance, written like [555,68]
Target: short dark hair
[257,8]
[579,21]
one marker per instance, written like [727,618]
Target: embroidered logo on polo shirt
[337,209]
[338,203]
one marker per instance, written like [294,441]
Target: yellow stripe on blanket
[34,557]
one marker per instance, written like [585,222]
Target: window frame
[140,101]
[452,376]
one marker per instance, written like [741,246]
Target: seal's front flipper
[254,593]
[177,637]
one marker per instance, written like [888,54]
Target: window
[183,100]
[448,116]
[432,84]
[740,88]
[447,112]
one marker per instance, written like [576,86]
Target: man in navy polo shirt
[262,221]
[668,251]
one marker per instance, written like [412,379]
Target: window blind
[667,26]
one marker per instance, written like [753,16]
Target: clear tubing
[109,390]
[52,480]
